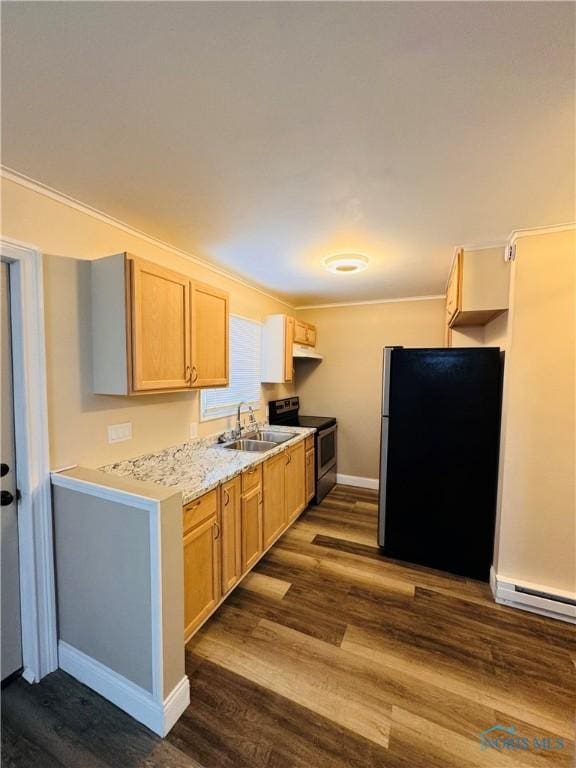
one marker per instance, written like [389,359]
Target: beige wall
[79,419]
[467,336]
[347,384]
[537,525]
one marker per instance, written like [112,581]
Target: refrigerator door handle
[386,379]
[383,476]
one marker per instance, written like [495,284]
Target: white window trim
[223,411]
[37,583]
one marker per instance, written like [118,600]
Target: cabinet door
[209,336]
[311,335]
[231,534]
[295,480]
[304,333]
[251,527]
[288,344]
[453,290]
[274,512]
[310,475]
[201,573]
[160,327]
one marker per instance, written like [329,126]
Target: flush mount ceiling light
[346,263]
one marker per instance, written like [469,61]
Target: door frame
[36,550]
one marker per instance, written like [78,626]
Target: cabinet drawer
[200,509]
[309,442]
[251,478]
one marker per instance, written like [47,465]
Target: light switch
[193,429]
[119,432]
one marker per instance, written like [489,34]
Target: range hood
[301,350]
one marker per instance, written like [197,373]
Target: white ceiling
[263,136]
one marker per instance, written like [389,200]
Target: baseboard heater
[556,605]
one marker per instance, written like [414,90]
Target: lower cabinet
[201,560]
[273,487]
[295,481]
[227,530]
[251,516]
[231,525]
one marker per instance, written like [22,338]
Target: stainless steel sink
[274,437]
[246,444]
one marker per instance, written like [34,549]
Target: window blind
[244,362]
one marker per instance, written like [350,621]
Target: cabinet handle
[216,531]
[188,374]
[194,375]
[288,458]
[226,497]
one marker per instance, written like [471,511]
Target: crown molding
[372,302]
[534,231]
[60,197]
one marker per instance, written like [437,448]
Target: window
[244,372]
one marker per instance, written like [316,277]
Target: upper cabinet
[304,333]
[159,320]
[277,343]
[155,330]
[209,336]
[279,335]
[478,286]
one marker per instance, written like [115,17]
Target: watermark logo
[504,738]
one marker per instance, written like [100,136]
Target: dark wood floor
[329,656]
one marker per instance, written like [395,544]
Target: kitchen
[195,577]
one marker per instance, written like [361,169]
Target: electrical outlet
[117,433]
[193,429]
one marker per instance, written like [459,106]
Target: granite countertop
[198,466]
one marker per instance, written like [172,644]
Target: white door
[10,638]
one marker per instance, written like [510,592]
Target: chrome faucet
[251,419]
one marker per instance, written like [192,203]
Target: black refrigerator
[439,457]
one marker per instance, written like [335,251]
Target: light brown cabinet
[478,287]
[304,333]
[227,530]
[273,490]
[155,330]
[201,561]
[310,469]
[251,516]
[295,481]
[231,525]
[160,324]
[209,333]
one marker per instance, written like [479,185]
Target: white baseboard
[175,704]
[535,598]
[136,701]
[358,482]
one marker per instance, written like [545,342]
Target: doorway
[28,605]
[11,638]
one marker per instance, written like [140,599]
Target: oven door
[326,450]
